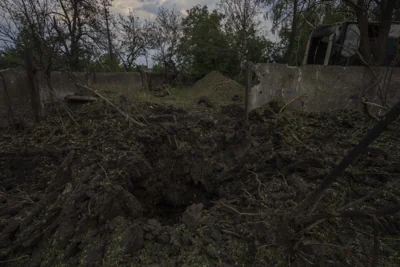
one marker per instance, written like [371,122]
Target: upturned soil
[192,187]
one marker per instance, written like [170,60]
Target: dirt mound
[219,87]
[188,189]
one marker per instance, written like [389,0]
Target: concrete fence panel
[321,88]
[14,97]
[63,84]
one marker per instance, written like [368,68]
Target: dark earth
[192,187]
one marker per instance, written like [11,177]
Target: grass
[182,97]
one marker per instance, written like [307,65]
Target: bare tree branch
[374,133]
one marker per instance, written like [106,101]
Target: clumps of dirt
[188,189]
[219,88]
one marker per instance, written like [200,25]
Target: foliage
[241,19]
[27,24]
[9,59]
[294,20]
[158,68]
[107,64]
[134,40]
[166,34]
[204,46]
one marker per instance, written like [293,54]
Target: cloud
[148,8]
[151,8]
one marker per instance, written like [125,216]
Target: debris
[211,251]
[80,99]
[132,196]
[235,98]
[203,100]
[192,215]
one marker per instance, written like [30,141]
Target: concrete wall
[14,95]
[325,88]
[63,84]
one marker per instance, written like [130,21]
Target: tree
[75,21]
[9,59]
[104,30]
[27,24]
[242,20]
[166,34]
[296,18]
[157,68]
[134,39]
[204,45]
[385,15]
[105,64]
[293,18]
[106,7]
[285,17]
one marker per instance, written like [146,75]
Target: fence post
[34,91]
[247,92]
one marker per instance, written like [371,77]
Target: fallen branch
[374,104]
[370,195]
[104,170]
[26,196]
[376,248]
[298,140]
[367,110]
[231,233]
[238,212]
[374,133]
[259,185]
[127,116]
[63,174]
[363,214]
[369,234]
[65,107]
[291,101]
[16,259]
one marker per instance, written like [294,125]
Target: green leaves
[10,59]
[204,45]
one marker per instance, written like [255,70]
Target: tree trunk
[106,16]
[145,84]
[384,29]
[52,94]
[292,37]
[362,18]
[34,92]
[74,33]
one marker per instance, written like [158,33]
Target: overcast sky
[147,9]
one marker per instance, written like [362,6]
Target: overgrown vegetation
[86,35]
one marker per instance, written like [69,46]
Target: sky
[147,9]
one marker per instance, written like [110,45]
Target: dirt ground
[191,188]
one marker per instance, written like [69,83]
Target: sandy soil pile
[218,87]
